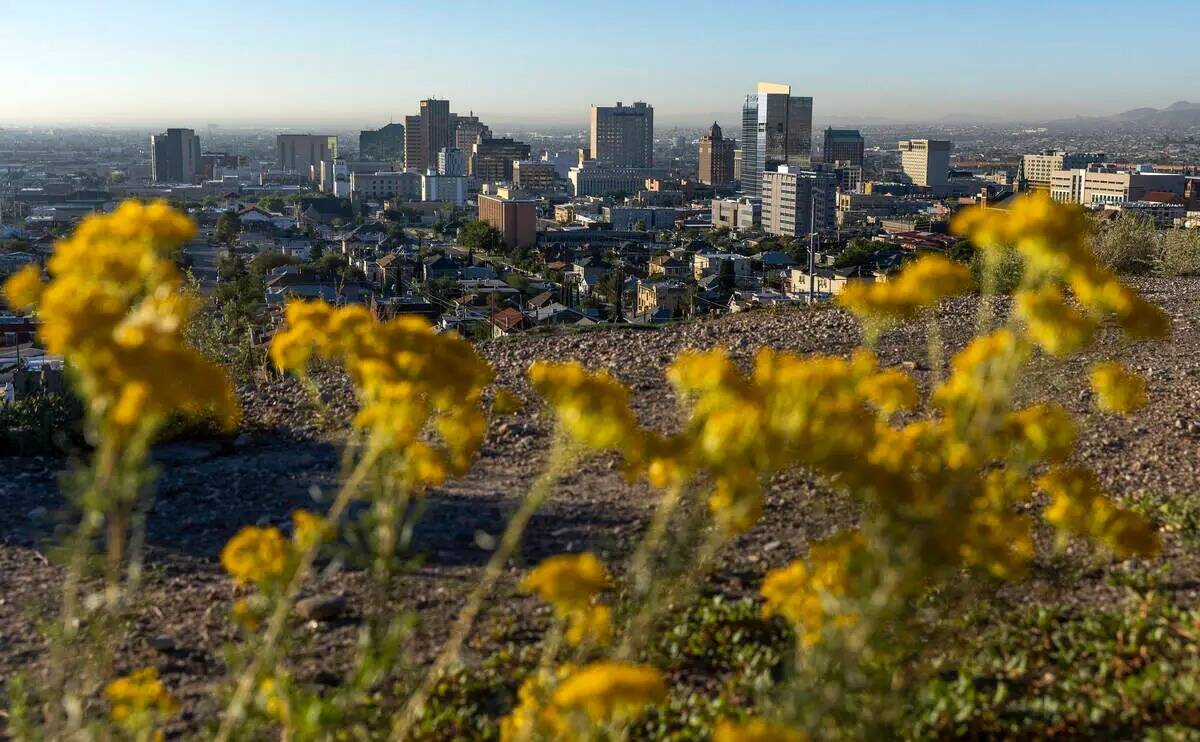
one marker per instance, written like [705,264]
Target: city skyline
[277,64]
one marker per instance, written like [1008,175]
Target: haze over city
[307,63]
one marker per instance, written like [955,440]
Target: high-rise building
[716,158]
[515,218]
[175,156]
[844,146]
[623,135]
[776,130]
[492,159]
[302,153]
[469,131]
[1036,170]
[427,133]
[448,188]
[926,162]
[798,202]
[452,161]
[534,176]
[386,143]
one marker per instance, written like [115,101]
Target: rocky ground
[286,459]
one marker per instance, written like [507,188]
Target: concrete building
[1098,185]
[627,218]
[515,218]
[335,177]
[492,159]
[776,130]
[843,146]
[623,135]
[798,202]
[926,162]
[303,153]
[385,185]
[468,132]
[426,133]
[535,176]
[386,143]
[590,178]
[451,161]
[737,213]
[448,188]
[716,158]
[1036,170]
[175,156]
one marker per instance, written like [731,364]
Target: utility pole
[812,241]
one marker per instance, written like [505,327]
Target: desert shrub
[1180,253]
[41,423]
[946,483]
[1127,244]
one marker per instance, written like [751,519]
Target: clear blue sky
[174,62]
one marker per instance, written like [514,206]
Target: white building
[448,188]
[926,162]
[796,203]
[452,161]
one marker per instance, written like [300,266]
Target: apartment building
[798,202]
[926,162]
[515,218]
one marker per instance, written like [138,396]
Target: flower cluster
[573,702]
[921,284]
[571,583]
[1118,389]
[261,556]
[809,595]
[136,701]
[114,309]
[755,730]
[1078,505]
[407,376]
[592,407]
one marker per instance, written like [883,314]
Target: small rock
[162,643]
[38,513]
[321,607]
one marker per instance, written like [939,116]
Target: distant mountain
[1180,114]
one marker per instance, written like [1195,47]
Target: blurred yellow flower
[1118,389]
[309,529]
[139,699]
[255,555]
[23,288]
[609,691]
[1078,505]
[592,407]
[755,730]
[921,284]
[1053,325]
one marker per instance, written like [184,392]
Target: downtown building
[623,136]
[514,218]
[1036,171]
[175,156]
[303,153]
[427,133]
[798,202]
[1106,185]
[452,161]
[843,146]
[776,130]
[492,159]
[926,162]
[716,158]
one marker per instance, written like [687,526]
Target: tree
[264,263]
[228,228]
[726,276]
[860,252]
[273,204]
[639,225]
[481,236]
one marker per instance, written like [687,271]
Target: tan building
[796,203]
[1098,185]
[426,134]
[515,218]
[1036,171]
[534,176]
[385,185]
[623,135]
[716,158]
[926,162]
[301,153]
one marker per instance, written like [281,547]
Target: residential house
[709,264]
[825,283]
[508,321]
[439,266]
[588,272]
[671,267]
[655,295]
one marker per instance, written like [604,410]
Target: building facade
[776,130]
[451,161]
[623,135]
[535,176]
[426,133]
[1036,170]
[590,178]
[385,185]
[1099,185]
[798,202]
[843,146]
[514,218]
[716,158]
[926,162]
[386,143]
[448,188]
[175,156]
[303,153]
[492,159]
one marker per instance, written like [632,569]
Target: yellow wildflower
[1078,506]
[568,581]
[808,594]
[609,691]
[1053,325]
[891,391]
[592,407]
[245,614]
[23,288]
[921,284]
[255,555]
[308,530]
[1118,389]
[590,625]
[1040,432]
[755,730]
[272,697]
[424,466]
[138,699]
[533,717]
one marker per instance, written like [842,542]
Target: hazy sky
[361,63]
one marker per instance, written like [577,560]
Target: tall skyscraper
[842,146]
[301,153]
[469,131]
[175,156]
[776,130]
[926,162]
[427,133]
[716,158]
[386,143]
[492,159]
[623,135]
